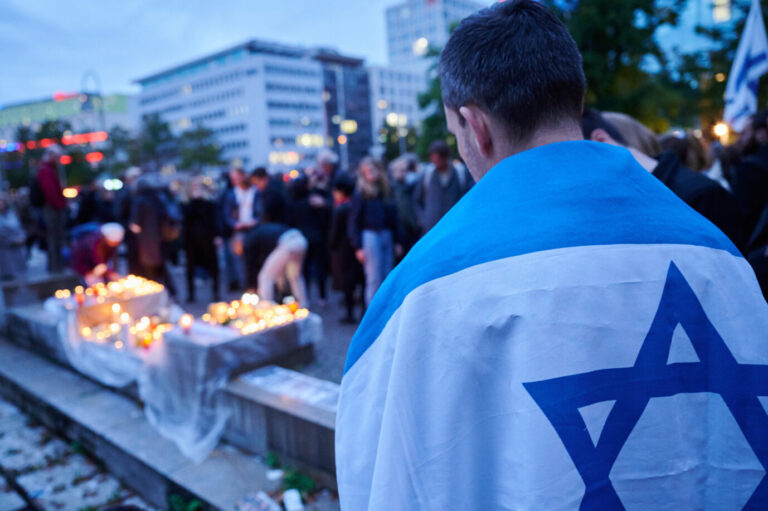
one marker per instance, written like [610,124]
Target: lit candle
[186,322]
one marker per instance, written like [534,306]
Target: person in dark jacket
[241,209]
[749,174]
[272,193]
[697,190]
[405,179]
[202,234]
[442,185]
[346,270]
[54,208]
[373,227]
[122,211]
[312,216]
[147,218]
[93,254]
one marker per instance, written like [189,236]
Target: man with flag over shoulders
[571,335]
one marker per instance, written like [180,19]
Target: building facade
[265,102]
[413,27]
[85,112]
[347,97]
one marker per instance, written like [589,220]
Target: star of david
[717,371]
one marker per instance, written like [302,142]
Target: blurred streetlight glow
[720,130]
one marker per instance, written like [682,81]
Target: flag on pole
[570,336]
[750,64]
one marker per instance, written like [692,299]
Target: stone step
[114,430]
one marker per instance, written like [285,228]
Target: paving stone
[64,474]
[96,492]
[28,448]
[10,501]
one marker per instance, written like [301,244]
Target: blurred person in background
[328,163]
[372,227]
[274,254]
[30,219]
[694,154]
[697,190]
[635,134]
[242,204]
[93,253]
[405,178]
[311,214]
[749,175]
[122,204]
[13,260]
[202,235]
[272,192]
[346,270]
[54,207]
[442,186]
[147,220]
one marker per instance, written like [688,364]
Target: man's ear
[479,125]
[600,135]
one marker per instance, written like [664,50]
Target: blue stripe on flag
[749,63]
[561,195]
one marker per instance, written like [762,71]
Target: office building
[413,27]
[265,102]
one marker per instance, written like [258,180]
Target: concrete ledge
[113,428]
[31,289]
[288,413]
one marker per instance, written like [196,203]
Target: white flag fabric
[750,64]
[570,336]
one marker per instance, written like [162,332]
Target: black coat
[749,182]
[704,195]
[202,224]
[373,214]
[148,212]
[346,270]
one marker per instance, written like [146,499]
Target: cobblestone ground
[40,471]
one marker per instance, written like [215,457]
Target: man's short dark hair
[594,120]
[260,172]
[518,62]
[440,148]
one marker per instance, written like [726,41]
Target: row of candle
[122,289]
[124,330]
[250,315]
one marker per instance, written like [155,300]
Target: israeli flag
[570,336]
[750,64]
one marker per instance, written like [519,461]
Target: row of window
[218,114]
[238,144]
[277,122]
[291,105]
[293,71]
[282,87]
[160,96]
[233,93]
[217,80]
[232,128]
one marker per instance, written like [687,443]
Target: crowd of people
[241,230]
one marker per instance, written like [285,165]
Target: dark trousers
[205,259]
[316,265]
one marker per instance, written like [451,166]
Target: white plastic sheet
[103,362]
[182,377]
